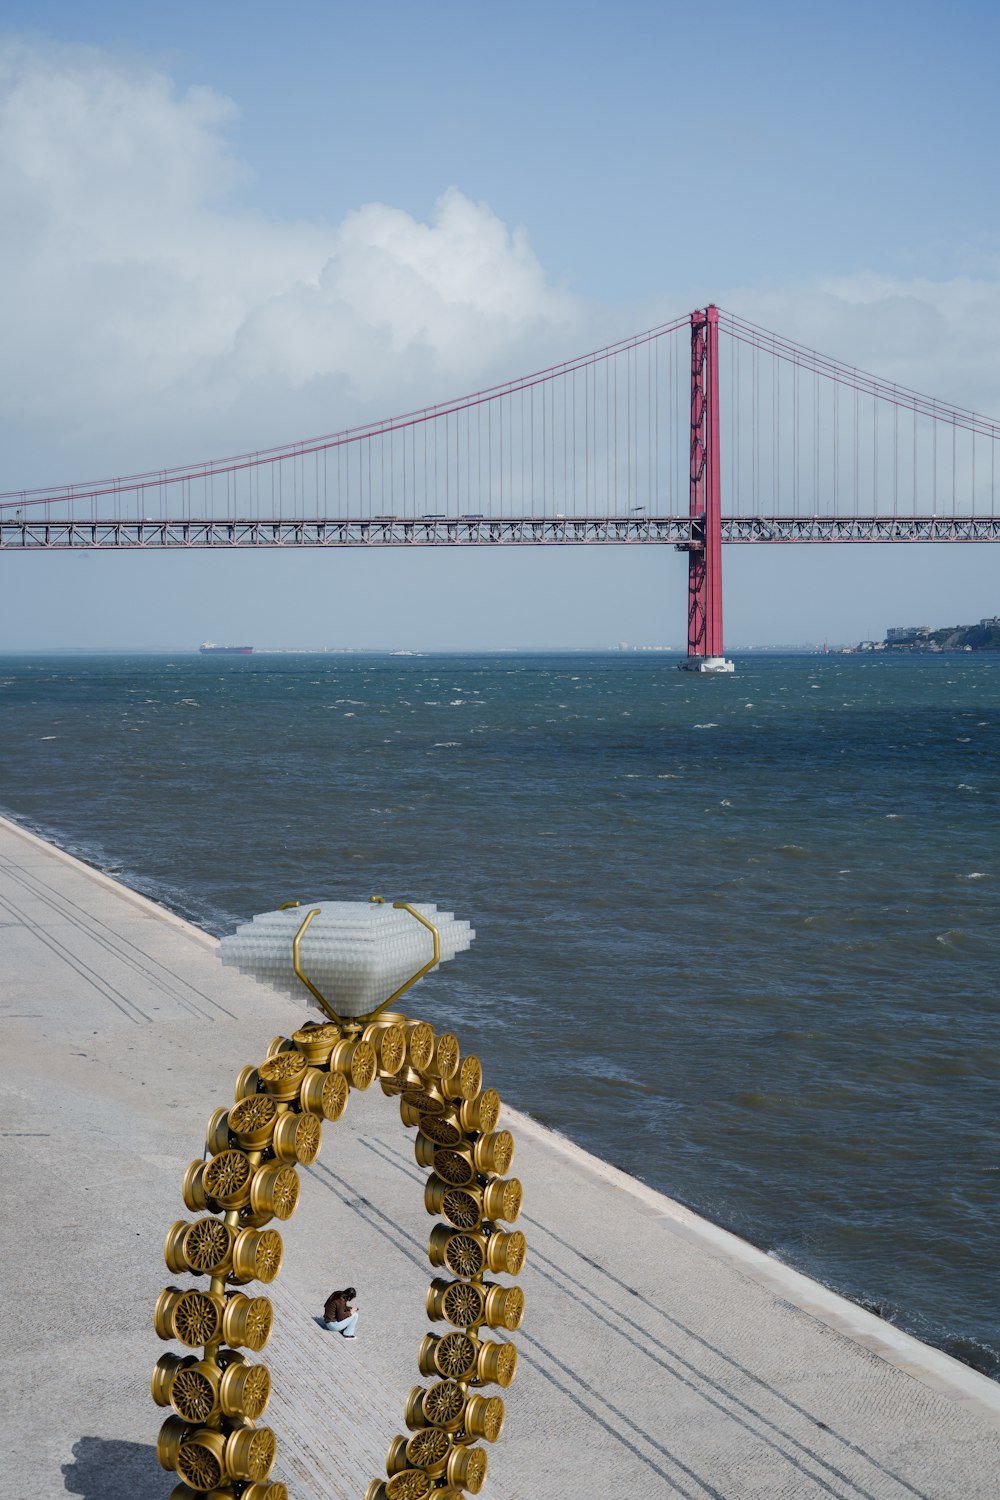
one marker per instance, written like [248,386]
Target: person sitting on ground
[338,1315]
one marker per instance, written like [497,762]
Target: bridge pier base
[705,653]
[706,664]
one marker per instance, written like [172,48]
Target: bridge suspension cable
[587,432]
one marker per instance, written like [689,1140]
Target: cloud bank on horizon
[149,319]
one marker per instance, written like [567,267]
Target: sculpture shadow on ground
[108,1469]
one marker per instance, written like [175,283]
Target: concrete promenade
[659,1355]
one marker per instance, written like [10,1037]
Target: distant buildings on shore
[624,646]
[924,638]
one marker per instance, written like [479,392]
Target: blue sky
[176,175]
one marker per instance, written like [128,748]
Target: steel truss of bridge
[684,532]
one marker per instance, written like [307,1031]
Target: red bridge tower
[705,548]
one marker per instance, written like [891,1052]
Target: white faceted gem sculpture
[356,953]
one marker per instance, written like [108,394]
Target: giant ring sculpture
[214,1439]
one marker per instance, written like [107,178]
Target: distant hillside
[979,637]
[982,637]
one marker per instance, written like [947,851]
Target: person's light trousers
[346,1326]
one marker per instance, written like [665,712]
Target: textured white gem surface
[356,953]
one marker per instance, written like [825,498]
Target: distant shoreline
[384,652]
[922,640]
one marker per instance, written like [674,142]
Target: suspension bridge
[704,431]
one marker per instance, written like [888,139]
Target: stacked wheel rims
[214,1438]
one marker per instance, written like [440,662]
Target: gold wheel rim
[463,1304]
[464,1255]
[193,1395]
[409,1484]
[455,1356]
[207,1245]
[462,1209]
[199,1465]
[227,1177]
[196,1319]
[436,1128]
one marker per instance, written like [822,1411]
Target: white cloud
[148,318]
[140,304]
[399,303]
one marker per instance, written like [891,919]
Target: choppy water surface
[738,936]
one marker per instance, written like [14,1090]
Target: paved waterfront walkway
[659,1355]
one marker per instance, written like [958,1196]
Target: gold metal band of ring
[213,1438]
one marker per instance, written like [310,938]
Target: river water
[738,936]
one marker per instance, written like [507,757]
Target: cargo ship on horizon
[209,648]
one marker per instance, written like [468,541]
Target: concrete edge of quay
[938,1370]
[125,891]
[933,1367]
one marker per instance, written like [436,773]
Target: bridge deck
[660,1356]
[37,534]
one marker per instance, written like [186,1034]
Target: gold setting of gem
[217,1392]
